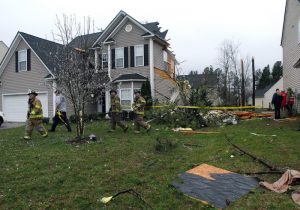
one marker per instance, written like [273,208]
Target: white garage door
[15,106]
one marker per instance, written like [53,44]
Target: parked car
[1,118]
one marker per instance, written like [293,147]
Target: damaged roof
[155,29]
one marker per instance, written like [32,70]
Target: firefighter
[115,112]
[60,112]
[34,116]
[138,109]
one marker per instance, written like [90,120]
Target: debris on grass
[130,191]
[256,134]
[283,184]
[215,186]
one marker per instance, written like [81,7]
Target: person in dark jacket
[277,101]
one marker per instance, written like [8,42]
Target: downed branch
[130,191]
[261,161]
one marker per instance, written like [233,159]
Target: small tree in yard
[76,76]
[146,93]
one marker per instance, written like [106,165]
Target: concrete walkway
[8,125]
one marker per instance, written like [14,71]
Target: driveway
[8,125]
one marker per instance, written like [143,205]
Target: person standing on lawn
[277,101]
[34,116]
[115,112]
[290,101]
[60,112]
[138,109]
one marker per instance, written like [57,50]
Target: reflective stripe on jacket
[115,104]
[36,110]
[139,105]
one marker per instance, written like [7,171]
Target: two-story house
[128,50]
[290,43]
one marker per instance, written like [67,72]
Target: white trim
[37,56]
[26,93]
[151,65]
[131,80]
[21,51]
[135,46]
[14,47]
[109,62]
[109,25]
[54,86]
[102,59]
[132,20]
[122,49]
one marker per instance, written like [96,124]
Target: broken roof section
[215,186]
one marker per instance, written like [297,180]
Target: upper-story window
[104,60]
[139,55]
[22,60]
[119,60]
[165,57]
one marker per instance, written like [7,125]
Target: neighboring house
[27,66]
[3,50]
[290,43]
[210,82]
[128,50]
[263,97]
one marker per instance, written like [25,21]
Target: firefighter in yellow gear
[138,109]
[34,116]
[115,112]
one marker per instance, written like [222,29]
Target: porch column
[109,61]
[96,60]
[151,65]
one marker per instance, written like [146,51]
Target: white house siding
[158,56]
[291,46]
[19,82]
[265,102]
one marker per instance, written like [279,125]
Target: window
[104,61]
[119,57]
[126,96]
[22,60]
[139,55]
[165,55]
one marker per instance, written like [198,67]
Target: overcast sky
[196,27]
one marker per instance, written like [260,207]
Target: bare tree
[224,62]
[76,76]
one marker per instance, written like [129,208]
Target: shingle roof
[200,80]
[44,49]
[154,28]
[90,39]
[261,92]
[130,77]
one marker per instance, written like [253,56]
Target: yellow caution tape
[205,107]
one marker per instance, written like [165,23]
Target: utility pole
[243,83]
[253,82]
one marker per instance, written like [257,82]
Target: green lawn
[50,174]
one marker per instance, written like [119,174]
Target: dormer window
[22,60]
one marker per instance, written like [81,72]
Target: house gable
[43,49]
